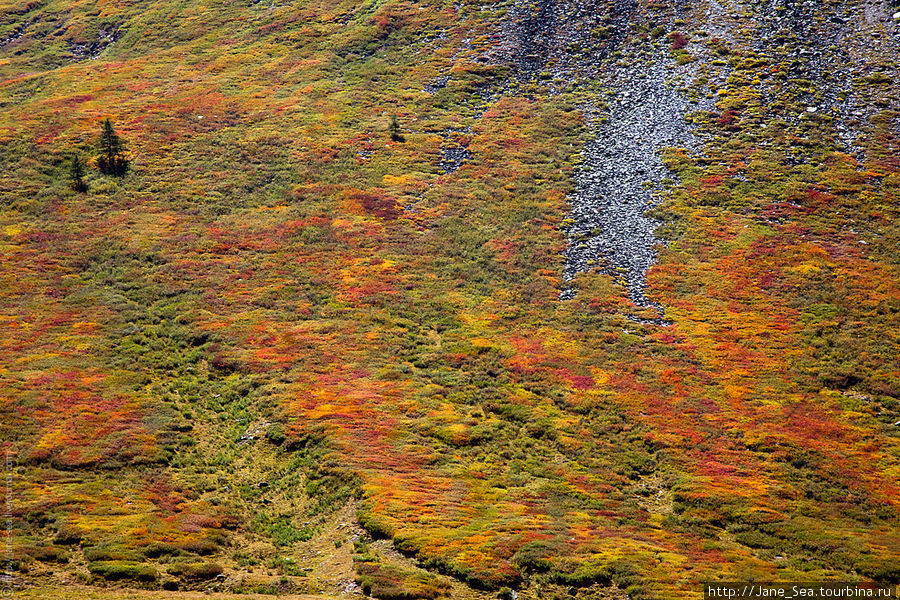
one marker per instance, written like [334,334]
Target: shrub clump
[118,570]
[389,582]
[373,525]
[68,536]
[48,554]
[275,434]
[157,549]
[110,553]
[197,571]
[285,534]
[202,547]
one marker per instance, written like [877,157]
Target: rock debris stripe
[610,229]
[620,172]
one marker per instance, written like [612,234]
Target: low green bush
[117,570]
[48,554]
[110,553]
[389,582]
[275,434]
[197,571]
[202,547]
[158,549]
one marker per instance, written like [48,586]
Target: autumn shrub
[881,569]
[275,434]
[123,570]
[283,533]
[195,571]
[583,575]
[201,547]
[621,572]
[535,556]
[391,582]
[110,554]
[757,539]
[48,554]
[68,535]
[373,524]
[158,549]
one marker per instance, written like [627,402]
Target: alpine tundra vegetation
[421,299]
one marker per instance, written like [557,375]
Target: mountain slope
[612,310]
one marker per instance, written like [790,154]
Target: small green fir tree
[394,129]
[111,160]
[76,174]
